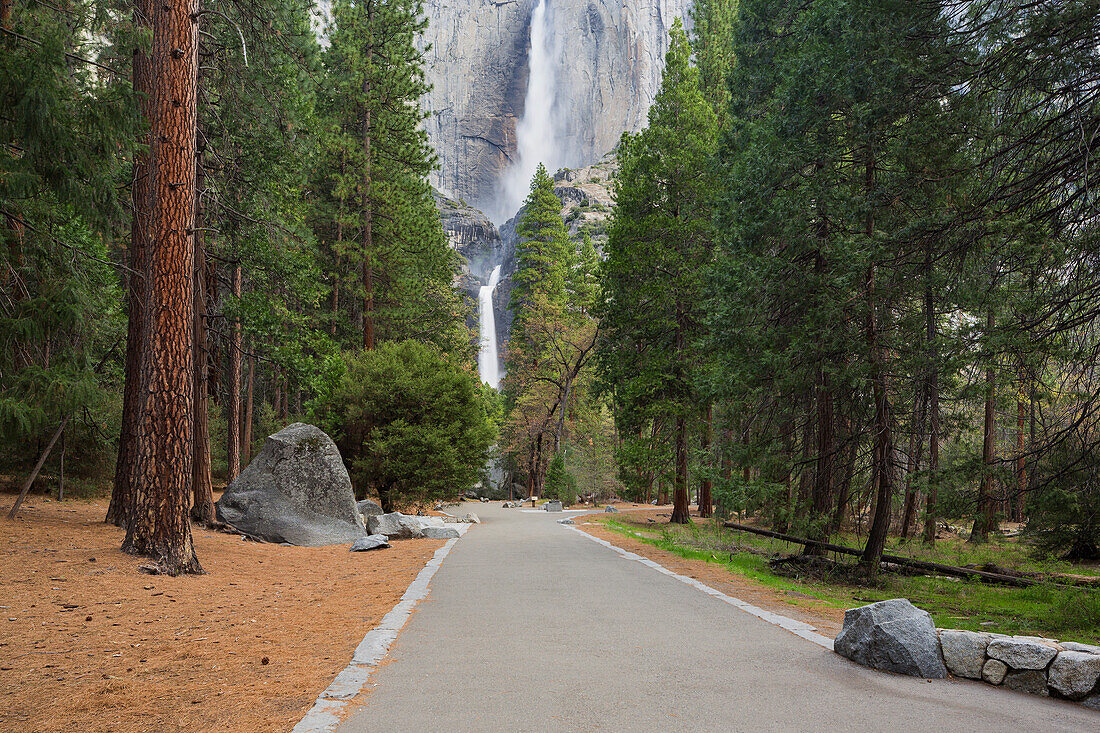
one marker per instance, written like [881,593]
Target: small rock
[472,518]
[1021,653]
[1092,702]
[1073,646]
[1032,681]
[371,542]
[610,510]
[1074,674]
[553,506]
[567,520]
[964,652]
[994,671]
[439,533]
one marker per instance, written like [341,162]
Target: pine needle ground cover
[88,643]
[1043,610]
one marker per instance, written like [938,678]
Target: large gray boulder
[894,636]
[1074,674]
[964,652]
[296,491]
[1022,653]
[553,506]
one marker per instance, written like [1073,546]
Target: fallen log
[935,567]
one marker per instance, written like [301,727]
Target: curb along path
[327,711]
[798,628]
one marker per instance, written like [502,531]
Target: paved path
[533,627]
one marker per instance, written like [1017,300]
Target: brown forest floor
[89,644]
[828,619]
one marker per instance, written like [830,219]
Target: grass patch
[1072,614]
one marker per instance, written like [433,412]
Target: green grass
[1072,614]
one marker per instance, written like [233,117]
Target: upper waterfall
[537,138]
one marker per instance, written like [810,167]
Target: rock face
[296,491]
[964,652]
[1020,653]
[895,636]
[610,57]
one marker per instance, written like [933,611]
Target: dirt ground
[89,644]
[826,618]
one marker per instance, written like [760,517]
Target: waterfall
[488,363]
[537,139]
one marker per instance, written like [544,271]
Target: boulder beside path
[296,491]
[894,636]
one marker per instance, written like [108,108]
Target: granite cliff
[609,59]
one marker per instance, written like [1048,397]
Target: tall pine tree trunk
[367,210]
[159,525]
[1021,456]
[822,494]
[202,485]
[884,438]
[929,535]
[986,519]
[706,486]
[246,424]
[233,431]
[680,511]
[136,292]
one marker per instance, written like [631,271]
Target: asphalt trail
[532,627]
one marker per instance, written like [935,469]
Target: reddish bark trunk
[159,525]
[706,486]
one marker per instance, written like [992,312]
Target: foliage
[411,423]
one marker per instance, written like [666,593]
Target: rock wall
[612,53]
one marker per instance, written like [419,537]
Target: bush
[412,425]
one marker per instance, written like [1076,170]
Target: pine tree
[390,228]
[660,241]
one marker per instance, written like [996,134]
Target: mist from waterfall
[537,138]
[488,361]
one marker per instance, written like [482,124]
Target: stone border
[1031,664]
[325,715]
[798,628]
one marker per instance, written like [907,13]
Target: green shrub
[412,425]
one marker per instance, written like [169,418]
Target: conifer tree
[660,241]
[391,228]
